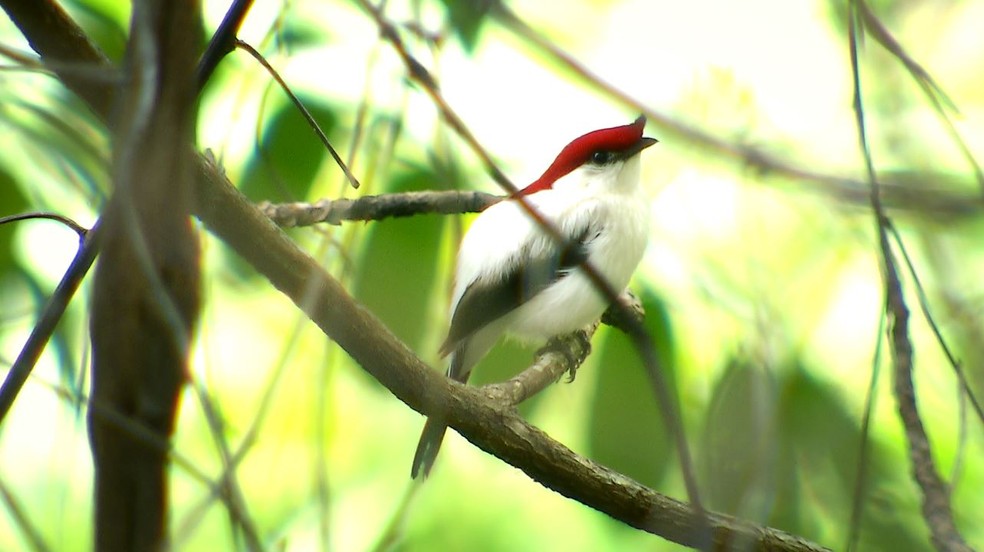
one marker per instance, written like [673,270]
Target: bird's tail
[435,428]
[428,447]
[465,355]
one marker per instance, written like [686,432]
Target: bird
[512,277]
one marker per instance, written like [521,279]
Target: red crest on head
[580,150]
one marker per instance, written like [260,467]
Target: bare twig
[934,93]
[20,519]
[151,438]
[46,26]
[857,499]
[77,65]
[335,211]
[53,311]
[562,355]
[76,227]
[228,484]
[45,326]
[45,32]
[300,107]
[231,461]
[936,499]
[482,421]
[924,306]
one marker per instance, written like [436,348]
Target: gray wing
[485,301]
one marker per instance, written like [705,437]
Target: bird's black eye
[602,157]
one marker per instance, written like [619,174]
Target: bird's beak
[642,144]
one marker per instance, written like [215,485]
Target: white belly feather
[572,302]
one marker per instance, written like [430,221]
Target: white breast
[573,302]
[614,201]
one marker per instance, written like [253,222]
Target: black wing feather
[486,301]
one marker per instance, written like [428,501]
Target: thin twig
[228,214]
[562,355]
[16,511]
[933,91]
[231,461]
[148,436]
[365,208]
[857,509]
[477,418]
[228,483]
[924,306]
[45,326]
[936,499]
[300,107]
[76,227]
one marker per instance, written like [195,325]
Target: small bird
[514,278]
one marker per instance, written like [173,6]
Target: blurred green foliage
[399,266]
[627,431]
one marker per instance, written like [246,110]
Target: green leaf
[466,18]
[398,269]
[821,440]
[626,431]
[290,153]
[300,33]
[740,443]
[781,447]
[287,161]
[105,23]
[12,202]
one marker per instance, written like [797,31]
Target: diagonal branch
[480,419]
[936,499]
[933,91]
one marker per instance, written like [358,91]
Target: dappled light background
[762,289]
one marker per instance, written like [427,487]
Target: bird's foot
[574,346]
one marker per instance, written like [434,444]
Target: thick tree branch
[56,38]
[145,292]
[484,422]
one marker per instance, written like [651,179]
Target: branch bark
[483,421]
[563,354]
[936,498]
[335,211]
[145,293]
